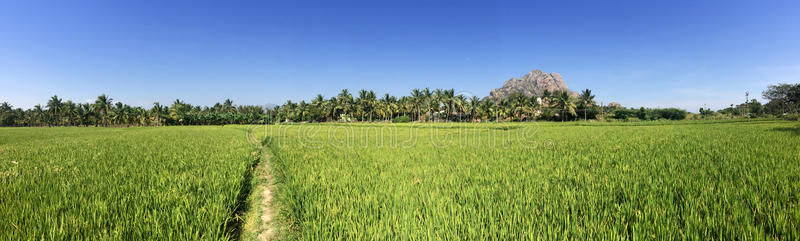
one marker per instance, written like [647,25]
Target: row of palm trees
[105,112]
[439,105]
[420,105]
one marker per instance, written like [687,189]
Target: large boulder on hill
[530,84]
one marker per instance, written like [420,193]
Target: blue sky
[639,53]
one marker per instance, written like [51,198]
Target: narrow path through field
[262,225]
[266,205]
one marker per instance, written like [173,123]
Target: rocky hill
[533,83]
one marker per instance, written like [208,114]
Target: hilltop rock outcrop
[533,83]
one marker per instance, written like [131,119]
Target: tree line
[439,105]
[105,112]
[783,101]
[420,105]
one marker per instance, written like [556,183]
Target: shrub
[669,113]
[791,117]
[401,119]
[623,114]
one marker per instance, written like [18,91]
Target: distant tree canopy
[105,112]
[650,114]
[783,98]
[439,105]
[420,105]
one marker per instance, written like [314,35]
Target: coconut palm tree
[87,114]
[362,104]
[417,98]
[157,112]
[7,115]
[178,112]
[547,96]
[427,102]
[474,105]
[118,113]
[345,102]
[330,108]
[388,106]
[449,101]
[585,100]
[54,106]
[371,102]
[303,111]
[103,106]
[318,107]
[38,114]
[70,110]
[565,104]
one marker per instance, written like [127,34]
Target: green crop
[724,180]
[169,183]
[665,181]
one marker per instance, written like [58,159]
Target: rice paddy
[168,183]
[724,180]
[553,181]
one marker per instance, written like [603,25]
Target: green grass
[639,181]
[702,180]
[167,183]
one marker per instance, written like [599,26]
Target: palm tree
[330,108]
[70,111]
[436,102]
[178,111]
[493,110]
[388,106]
[565,104]
[517,104]
[102,107]
[318,106]
[474,104]
[405,105]
[464,106]
[534,106]
[227,106]
[7,115]
[87,114]
[38,114]
[417,99]
[157,111]
[503,109]
[54,107]
[303,111]
[546,97]
[449,101]
[118,114]
[428,100]
[345,102]
[586,100]
[362,104]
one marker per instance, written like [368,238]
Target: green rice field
[157,183]
[548,181]
[702,180]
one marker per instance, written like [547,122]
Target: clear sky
[639,53]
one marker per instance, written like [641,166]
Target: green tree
[7,115]
[54,106]
[103,106]
[565,104]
